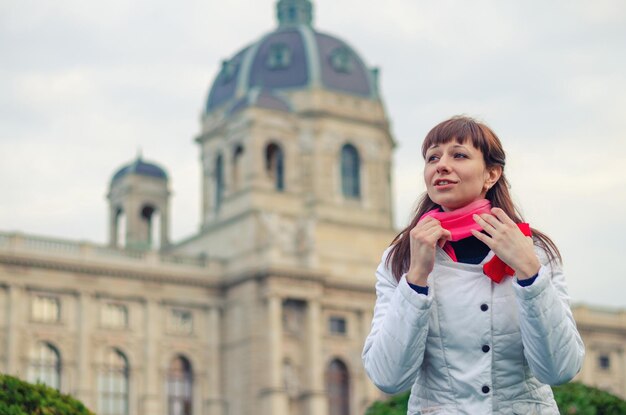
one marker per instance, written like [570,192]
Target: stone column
[274,396]
[316,401]
[227,163]
[136,227]
[131,231]
[151,399]
[213,404]
[165,216]
[84,389]
[371,391]
[13,323]
[207,196]
[113,226]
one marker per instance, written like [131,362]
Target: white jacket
[473,346]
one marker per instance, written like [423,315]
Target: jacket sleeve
[394,348]
[552,345]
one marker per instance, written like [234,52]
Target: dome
[294,56]
[261,98]
[141,168]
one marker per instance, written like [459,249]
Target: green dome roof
[141,168]
[294,56]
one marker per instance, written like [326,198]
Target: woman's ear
[492,176]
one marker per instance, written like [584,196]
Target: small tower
[294,12]
[139,207]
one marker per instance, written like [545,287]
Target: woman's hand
[508,243]
[424,238]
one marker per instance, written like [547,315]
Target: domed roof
[294,56]
[262,98]
[141,168]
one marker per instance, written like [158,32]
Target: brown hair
[461,129]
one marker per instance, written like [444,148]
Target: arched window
[179,387]
[237,166]
[279,56]
[338,387]
[350,175]
[45,365]
[219,181]
[274,165]
[292,13]
[150,215]
[113,384]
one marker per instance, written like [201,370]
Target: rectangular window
[337,325]
[181,321]
[46,309]
[604,362]
[114,315]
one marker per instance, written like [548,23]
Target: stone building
[604,334]
[264,310]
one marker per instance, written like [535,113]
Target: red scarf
[460,224]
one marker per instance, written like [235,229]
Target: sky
[87,85]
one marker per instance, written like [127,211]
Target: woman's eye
[432,158]
[460,155]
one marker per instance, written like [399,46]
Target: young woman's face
[456,175]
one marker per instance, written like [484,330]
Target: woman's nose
[442,165]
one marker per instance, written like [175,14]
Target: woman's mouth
[443,183]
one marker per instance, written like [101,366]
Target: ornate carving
[277,231]
[305,236]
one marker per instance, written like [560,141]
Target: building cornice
[178,277]
[381,125]
[110,270]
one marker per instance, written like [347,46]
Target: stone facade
[84,279]
[604,334]
[260,341]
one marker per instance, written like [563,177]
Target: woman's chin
[448,206]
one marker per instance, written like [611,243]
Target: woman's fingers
[507,241]
[502,216]
[439,236]
[424,238]
[489,223]
[429,232]
[426,227]
[428,223]
[497,221]
[444,237]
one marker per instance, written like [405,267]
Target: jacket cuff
[419,289]
[537,287]
[418,301]
[528,281]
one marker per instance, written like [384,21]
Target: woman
[472,312]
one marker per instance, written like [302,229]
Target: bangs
[461,129]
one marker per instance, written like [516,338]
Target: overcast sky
[86,84]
